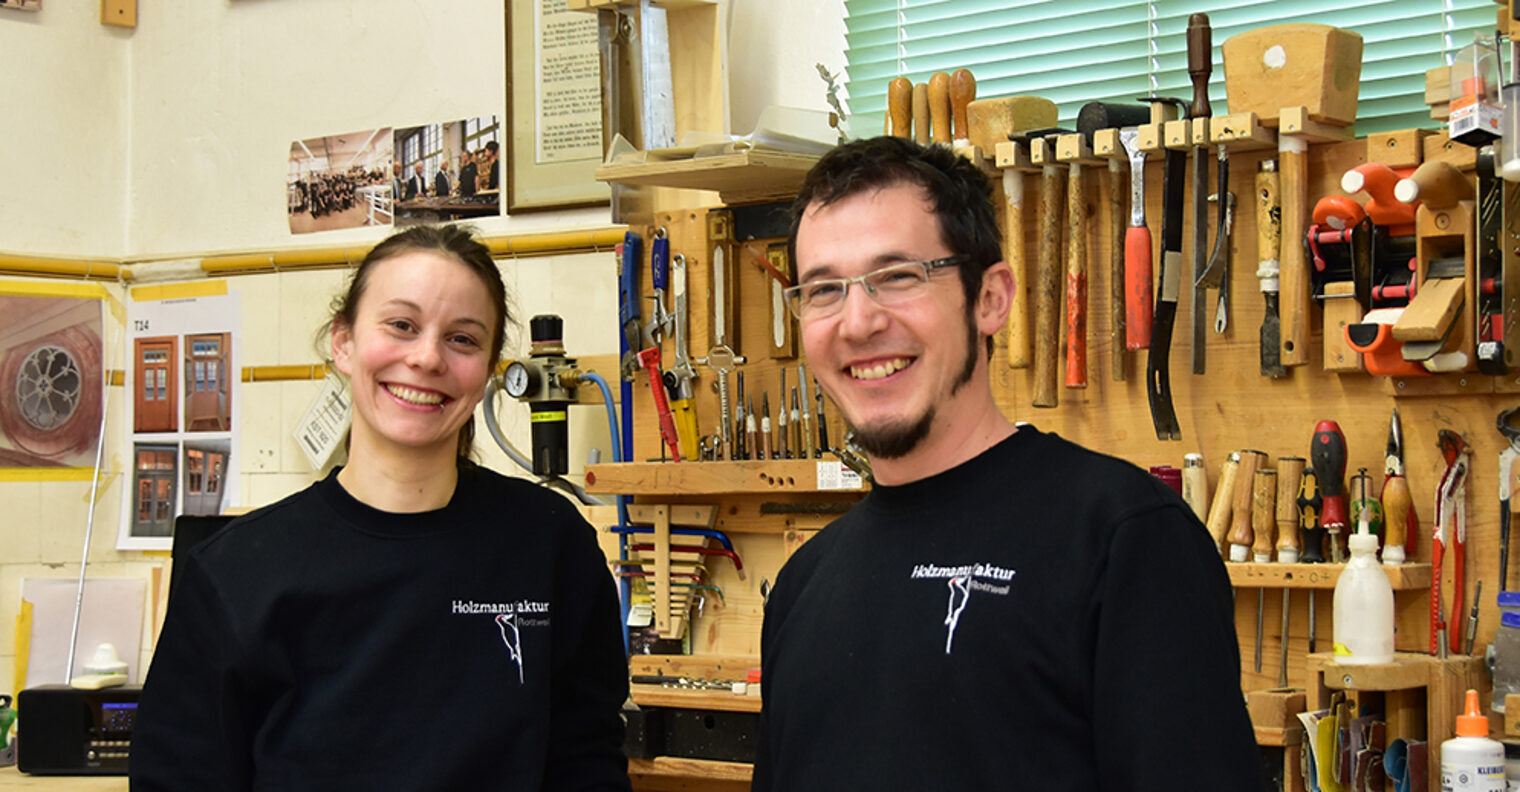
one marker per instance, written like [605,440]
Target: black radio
[68,731]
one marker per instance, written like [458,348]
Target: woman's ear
[341,339]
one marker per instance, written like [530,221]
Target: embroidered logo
[510,618]
[961,581]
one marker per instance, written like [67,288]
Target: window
[1079,51]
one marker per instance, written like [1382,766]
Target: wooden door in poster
[156,406]
[207,397]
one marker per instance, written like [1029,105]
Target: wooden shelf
[1404,577]
[715,478]
[693,698]
[677,767]
[739,177]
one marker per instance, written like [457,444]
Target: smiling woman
[399,565]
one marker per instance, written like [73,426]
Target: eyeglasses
[898,283]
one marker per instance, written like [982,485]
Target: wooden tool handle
[1219,510]
[1268,213]
[1117,195]
[1047,307]
[1290,474]
[1263,514]
[1139,309]
[1294,274]
[1200,53]
[1240,502]
[1195,485]
[1076,281]
[900,106]
[1437,184]
[939,107]
[1013,253]
[962,93]
[921,113]
[1396,506]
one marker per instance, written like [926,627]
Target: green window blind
[1076,51]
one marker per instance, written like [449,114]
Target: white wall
[173,138]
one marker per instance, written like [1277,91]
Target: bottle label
[1473,778]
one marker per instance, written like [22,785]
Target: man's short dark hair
[959,193]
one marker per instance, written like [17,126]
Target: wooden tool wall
[1234,407]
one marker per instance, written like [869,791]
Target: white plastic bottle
[1363,605]
[1470,761]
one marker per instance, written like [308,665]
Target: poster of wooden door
[155,407]
[154,473]
[205,472]
[207,396]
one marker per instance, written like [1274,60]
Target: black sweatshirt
[320,643]
[1040,617]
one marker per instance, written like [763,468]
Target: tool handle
[1200,54]
[1397,504]
[628,278]
[939,107]
[1219,511]
[921,113]
[1116,212]
[1195,485]
[962,93]
[900,106]
[1076,281]
[1140,305]
[1047,305]
[1328,454]
[1309,503]
[1263,514]
[659,262]
[1268,224]
[650,359]
[1290,474]
[1294,273]
[1240,504]
[1013,253]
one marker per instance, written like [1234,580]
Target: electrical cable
[625,591]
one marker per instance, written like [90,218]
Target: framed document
[554,108]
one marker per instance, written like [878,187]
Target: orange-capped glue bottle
[1470,761]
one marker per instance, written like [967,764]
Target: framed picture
[554,108]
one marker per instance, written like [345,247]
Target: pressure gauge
[519,379]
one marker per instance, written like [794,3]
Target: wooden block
[1432,310]
[1274,715]
[1042,152]
[1074,148]
[1106,144]
[991,120]
[1317,66]
[1177,135]
[1300,122]
[120,13]
[1438,85]
[1440,147]
[1512,715]
[1010,154]
[1403,149]
[1241,131]
[1149,138]
[1340,309]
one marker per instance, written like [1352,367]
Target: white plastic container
[1363,605]
[1470,761]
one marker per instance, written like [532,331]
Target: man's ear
[996,298]
[341,345]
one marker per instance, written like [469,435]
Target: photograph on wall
[24,5]
[340,181]
[51,380]
[447,171]
[184,381]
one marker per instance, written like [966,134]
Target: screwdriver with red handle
[1327,452]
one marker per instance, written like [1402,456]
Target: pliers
[1451,520]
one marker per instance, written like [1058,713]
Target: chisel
[1290,471]
[1219,511]
[1200,64]
[921,113]
[900,107]
[1240,505]
[805,445]
[1263,521]
[962,93]
[939,107]
[1268,241]
[1195,485]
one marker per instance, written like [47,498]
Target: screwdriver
[805,445]
[751,429]
[1263,519]
[1327,452]
[823,423]
[765,425]
[1308,503]
[1290,471]
[798,446]
[783,424]
[741,446]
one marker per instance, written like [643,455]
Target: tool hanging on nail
[1450,527]
[1095,116]
[1047,286]
[1268,242]
[681,374]
[1200,63]
[1158,378]
[1138,304]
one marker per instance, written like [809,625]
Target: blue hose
[625,594]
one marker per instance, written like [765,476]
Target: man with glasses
[1005,609]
